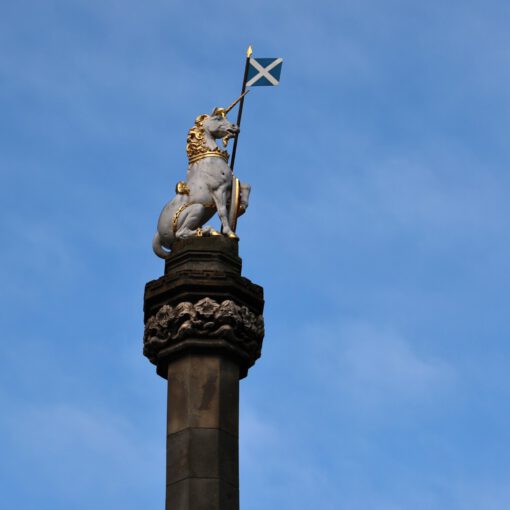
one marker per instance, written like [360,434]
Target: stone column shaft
[202,434]
[203,331]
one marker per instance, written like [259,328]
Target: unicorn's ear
[218,112]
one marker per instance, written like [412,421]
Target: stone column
[203,331]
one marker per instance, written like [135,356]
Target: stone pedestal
[203,331]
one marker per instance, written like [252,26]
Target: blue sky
[378,226]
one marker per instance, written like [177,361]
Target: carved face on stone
[219,126]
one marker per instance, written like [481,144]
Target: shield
[235,200]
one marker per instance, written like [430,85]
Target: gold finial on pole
[249,51]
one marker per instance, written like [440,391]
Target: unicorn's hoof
[232,236]
[215,233]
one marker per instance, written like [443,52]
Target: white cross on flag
[264,72]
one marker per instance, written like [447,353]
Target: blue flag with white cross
[264,72]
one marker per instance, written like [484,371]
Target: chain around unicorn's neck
[196,146]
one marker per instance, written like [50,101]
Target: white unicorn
[210,186]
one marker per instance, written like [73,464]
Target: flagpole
[241,104]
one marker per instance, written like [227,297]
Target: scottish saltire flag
[264,71]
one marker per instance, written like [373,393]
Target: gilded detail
[182,188]
[209,188]
[195,143]
[177,214]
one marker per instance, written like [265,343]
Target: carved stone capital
[206,325]
[203,305]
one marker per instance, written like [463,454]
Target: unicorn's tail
[158,248]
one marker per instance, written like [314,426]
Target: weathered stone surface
[202,304]
[203,331]
[203,391]
[238,330]
[218,254]
[202,433]
[202,453]
[202,494]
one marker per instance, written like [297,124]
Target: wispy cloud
[378,226]
[383,364]
[36,252]
[374,369]
[85,456]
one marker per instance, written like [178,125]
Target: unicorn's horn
[236,101]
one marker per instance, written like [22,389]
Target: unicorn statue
[210,186]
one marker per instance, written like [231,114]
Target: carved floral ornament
[204,319]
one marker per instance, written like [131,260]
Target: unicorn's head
[219,126]
[208,128]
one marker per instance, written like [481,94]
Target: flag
[264,71]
